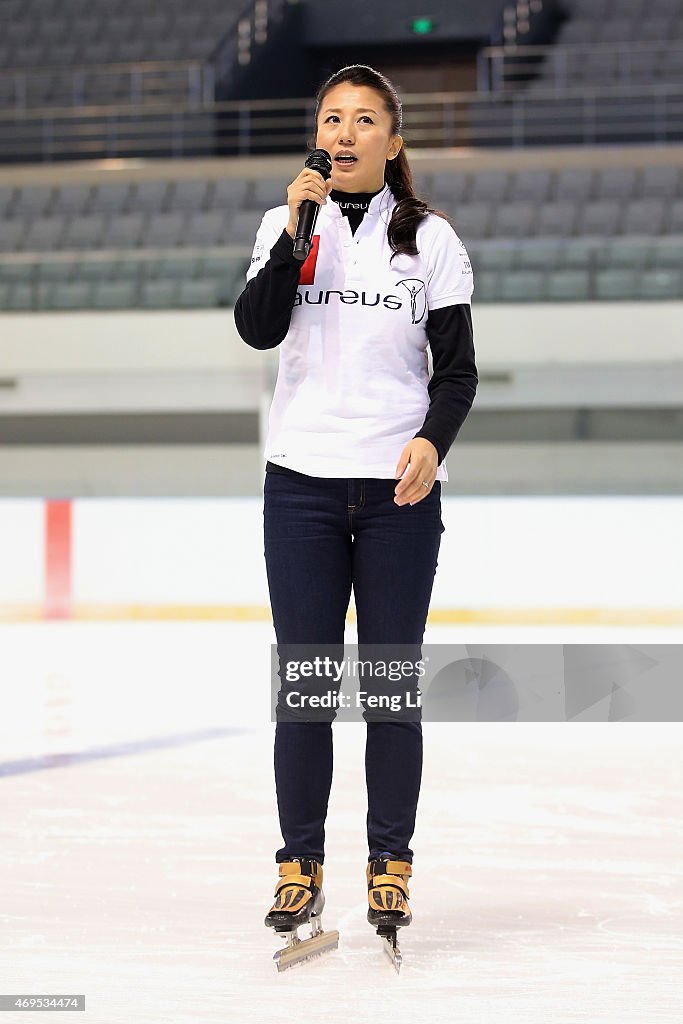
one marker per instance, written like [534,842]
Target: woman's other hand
[424,460]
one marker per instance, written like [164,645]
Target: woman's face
[352,119]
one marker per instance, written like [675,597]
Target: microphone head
[321,161]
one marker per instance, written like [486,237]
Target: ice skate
[388,907]
[299,900]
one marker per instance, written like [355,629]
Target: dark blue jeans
[324,536]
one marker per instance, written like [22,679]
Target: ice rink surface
[139,827]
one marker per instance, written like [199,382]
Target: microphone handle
[308,215]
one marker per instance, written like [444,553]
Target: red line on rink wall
[57,560]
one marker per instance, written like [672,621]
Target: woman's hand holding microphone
[309,184]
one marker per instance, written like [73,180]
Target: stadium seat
[115,295]
[12,234]
[121,25]
[494,257]
[130,51]
[71,295]
[487,286]
[223,268]
[447,185]
[654,28]
[628,251]
[175,268]
[489,186]
[539,254]
[111,198]
[659,183]
[268,192]
[634,8]
[64,53]
[674,218]
[129,270]
[164,230]
[189,196]
[422,183]
[72,199]
[97,51]
[228,194]
[84,232]
[92,270]
[17,273]
[579,253]
[615,284]
[150,197]
[87,26]
[52,271]
[532,184]
[644,217]
[575,32]
[616,183]
[573,183]
[20,298]
[44,233]
[230,290]
[514,219]
[6,199]
[614,30]
[159,294]
[198,294]
[29,56]
[557,218]
[208,228]
[473,220]
[124,231]
[667,251]
[568,285]
[33,201]
[600,217]
[660,284]
[522,286]
[242,227]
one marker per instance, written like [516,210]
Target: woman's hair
[409,209]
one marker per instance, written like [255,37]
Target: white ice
[139,827]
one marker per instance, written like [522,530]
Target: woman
[358,433]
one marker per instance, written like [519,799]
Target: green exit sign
[422,26]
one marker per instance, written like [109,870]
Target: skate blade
[303,949]
[390,946]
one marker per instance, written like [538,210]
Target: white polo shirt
[351,388]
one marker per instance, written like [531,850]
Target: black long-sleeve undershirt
[263,313]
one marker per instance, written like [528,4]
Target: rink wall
[502,560]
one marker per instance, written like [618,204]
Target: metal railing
[578,116]
[509,68]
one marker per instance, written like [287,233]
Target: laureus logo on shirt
[415,288]
[418,297]
[349,297]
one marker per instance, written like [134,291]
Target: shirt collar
[383,201]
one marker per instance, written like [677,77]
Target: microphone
[319,160]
